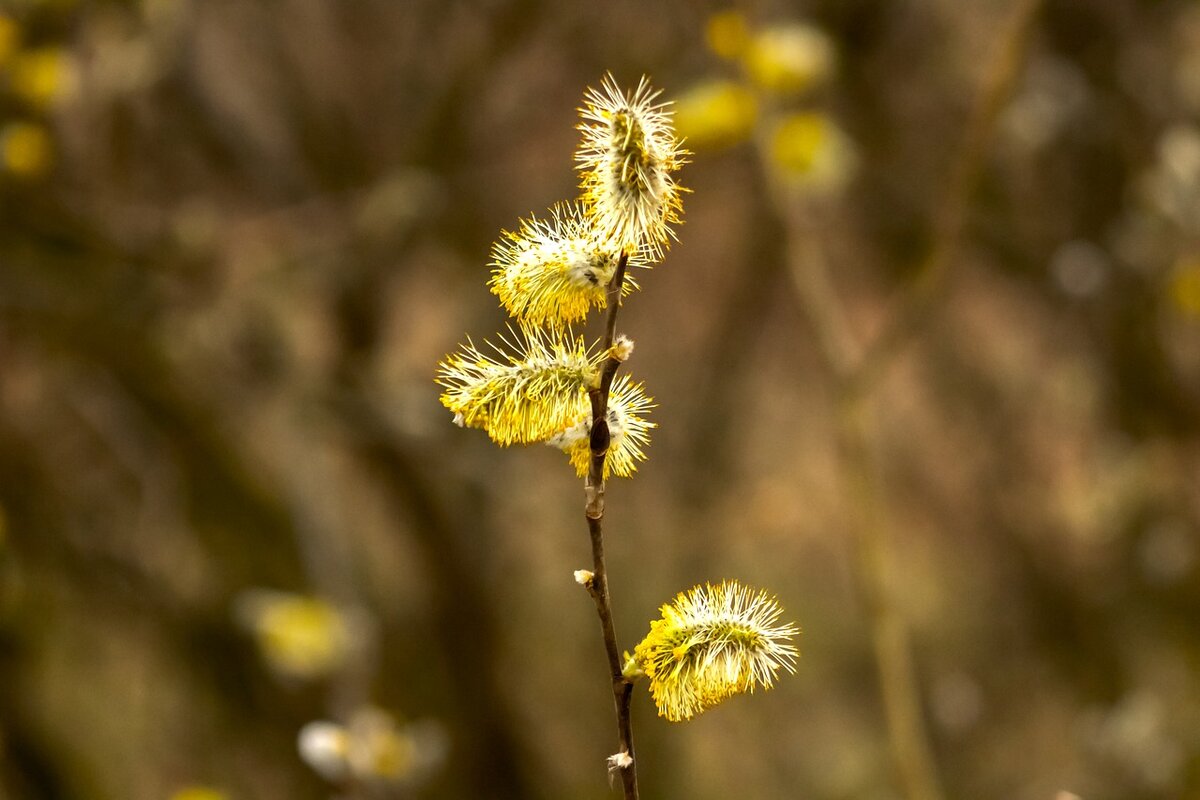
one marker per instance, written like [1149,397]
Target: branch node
[600,438]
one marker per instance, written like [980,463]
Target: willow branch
[597,585]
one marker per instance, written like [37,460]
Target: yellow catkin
[552,272]
[627,157]
[711,643]
[524,395]
[1185,288]
[372,747]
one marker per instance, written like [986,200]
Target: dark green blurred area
[236,237]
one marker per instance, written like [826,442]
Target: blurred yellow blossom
[10,35]
[372,747]
[198,793]
[44,76]
[789,58]
[25,149]
[324,747]
[1185,287]
[808,150]
[298,635]
[716,113]
[727,34]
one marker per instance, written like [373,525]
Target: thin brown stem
[597,586]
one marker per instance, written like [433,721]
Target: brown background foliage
[265,222]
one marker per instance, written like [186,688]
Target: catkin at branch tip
[551,272]
[628,154]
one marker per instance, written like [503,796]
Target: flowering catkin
[552,272]
[627,155]
[526,395]
[712,643]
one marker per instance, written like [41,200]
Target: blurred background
[236,238]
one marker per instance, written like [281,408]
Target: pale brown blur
[236,237]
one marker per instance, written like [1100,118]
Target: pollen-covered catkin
[535,390]
[552,272]
[712,643]
[627,157]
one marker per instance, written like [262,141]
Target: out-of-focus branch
[809,269]
[856,371]
[913,307]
